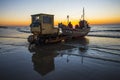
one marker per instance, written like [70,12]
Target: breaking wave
[12,37]
[106,31]
[109,36]
[25,30]
[111,31]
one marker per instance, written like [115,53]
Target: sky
[18,12]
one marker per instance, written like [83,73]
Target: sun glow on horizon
[17,13]
[74,22]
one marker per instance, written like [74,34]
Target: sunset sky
[17,12]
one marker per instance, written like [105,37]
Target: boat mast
[83,13]
[67,19]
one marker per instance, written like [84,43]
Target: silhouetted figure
[76,26]
[81,24]
[70,25]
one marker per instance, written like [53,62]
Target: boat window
[35,24]
[37,18]
[47,19]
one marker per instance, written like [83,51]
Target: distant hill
[3,27]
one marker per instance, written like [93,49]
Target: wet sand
[89,58]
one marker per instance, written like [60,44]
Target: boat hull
[75,32]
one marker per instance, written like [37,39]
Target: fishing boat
[80,30]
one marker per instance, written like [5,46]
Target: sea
[94,57]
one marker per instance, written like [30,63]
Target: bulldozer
[43,30]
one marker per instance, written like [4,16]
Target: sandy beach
[89,58]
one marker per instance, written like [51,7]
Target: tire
[40,41]
[31,39]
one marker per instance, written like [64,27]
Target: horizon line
[56,25]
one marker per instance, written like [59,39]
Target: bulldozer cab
[42,24]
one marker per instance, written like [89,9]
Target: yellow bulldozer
[43,30]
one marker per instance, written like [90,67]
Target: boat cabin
[43,24]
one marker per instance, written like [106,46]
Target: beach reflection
[43,57]
[43,64]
